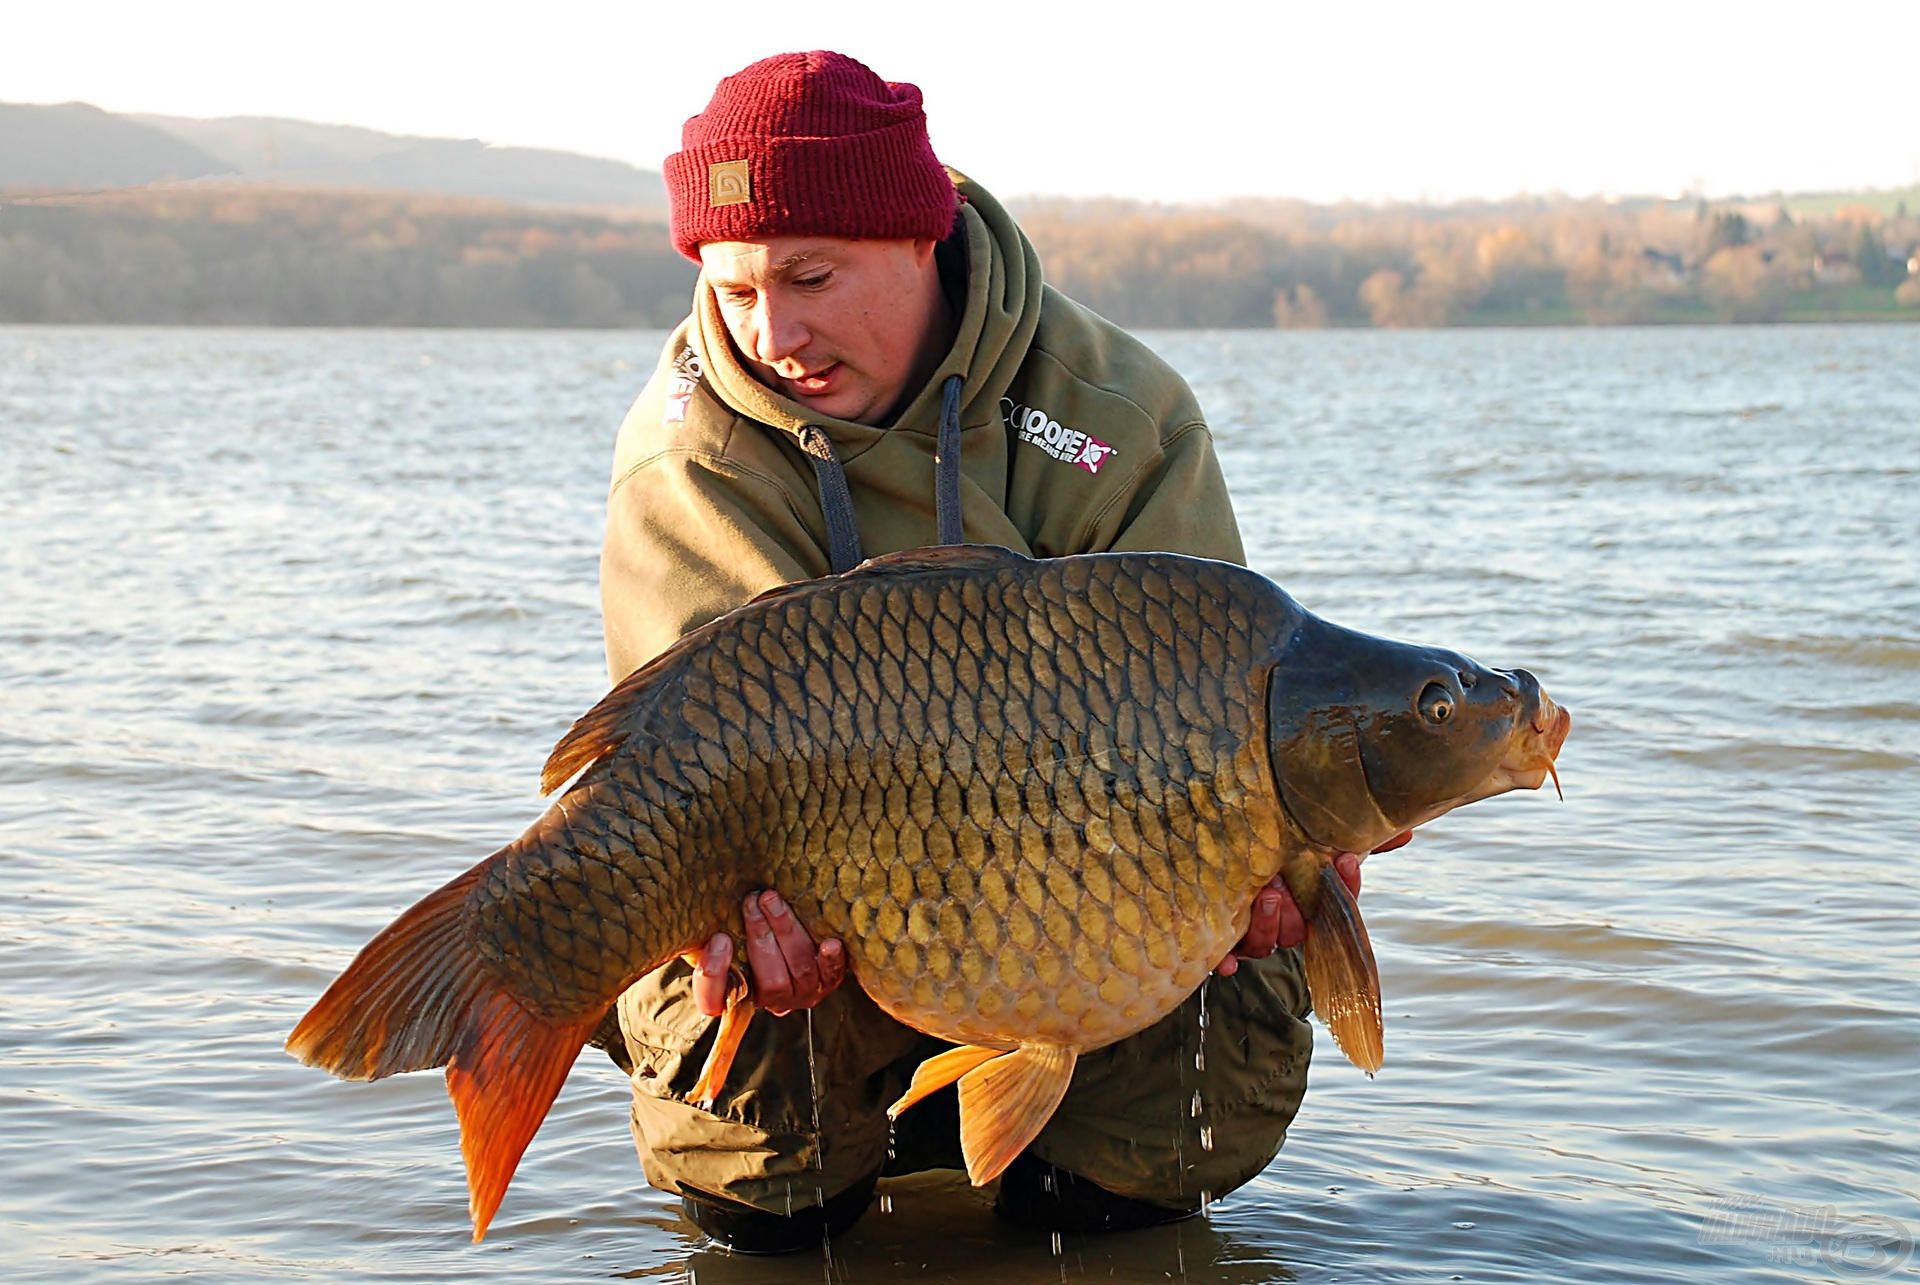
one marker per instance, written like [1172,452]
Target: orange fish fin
[418,996]
[503,1081]
[940,1070]
[1006,1102]
[726,1043]
[603,729]
[1342,977]
[400,1004]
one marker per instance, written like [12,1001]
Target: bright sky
[1171,101]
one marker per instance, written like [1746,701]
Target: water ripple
[292,618]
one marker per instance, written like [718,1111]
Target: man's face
[840,326]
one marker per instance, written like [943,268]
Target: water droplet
[1206,1137]
[1464,1226]
[1196,1104]
[1200,1060]
[886,1202]
[1046,1181]
[813,1092]
[1056,1244]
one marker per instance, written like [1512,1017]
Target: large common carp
[1034,798]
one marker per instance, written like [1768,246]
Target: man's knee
[749,1230]
[1182,1112]
[767,1143]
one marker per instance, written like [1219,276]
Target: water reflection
[289,627]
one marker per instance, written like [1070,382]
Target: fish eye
[1436,703]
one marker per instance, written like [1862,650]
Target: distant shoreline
[251,255]
[1708,323]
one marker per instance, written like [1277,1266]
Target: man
[872,364]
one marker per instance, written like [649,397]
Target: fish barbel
[1034,798]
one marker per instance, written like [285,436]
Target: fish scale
[1034,800]
[748,780]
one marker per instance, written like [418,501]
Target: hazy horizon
[1380,102]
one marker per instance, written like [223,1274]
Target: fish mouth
[1531,756]
[1531,760]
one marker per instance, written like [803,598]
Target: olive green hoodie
[1075,438]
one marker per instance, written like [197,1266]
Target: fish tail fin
[1342,977]
[400,1004]
[504,1078]
[418,996]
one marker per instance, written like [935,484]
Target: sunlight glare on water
[292,618]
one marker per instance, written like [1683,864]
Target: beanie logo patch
[728,183]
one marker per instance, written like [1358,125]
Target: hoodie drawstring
[836,500]
[946,467]
[843,535]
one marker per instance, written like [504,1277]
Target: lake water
[288,621]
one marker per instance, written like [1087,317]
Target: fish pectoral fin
[726,1043]
[940,1070]
[1006,1101]
[1342,977]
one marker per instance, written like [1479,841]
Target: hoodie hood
[998,315]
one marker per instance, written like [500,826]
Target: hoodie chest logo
[686,378]
[1069,445]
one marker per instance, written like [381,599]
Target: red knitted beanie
[812,144]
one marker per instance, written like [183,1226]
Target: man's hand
[1277,922]
[785,969]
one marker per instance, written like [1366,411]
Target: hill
[286,222]
[74,145]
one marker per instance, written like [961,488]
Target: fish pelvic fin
[726,1045]
[1342,977]
[1006,1101]
[418,996]
[940,1070]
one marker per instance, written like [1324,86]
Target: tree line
[320,257]
[266,256]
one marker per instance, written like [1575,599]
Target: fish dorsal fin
[603,729]
[932,557]
[943,557]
